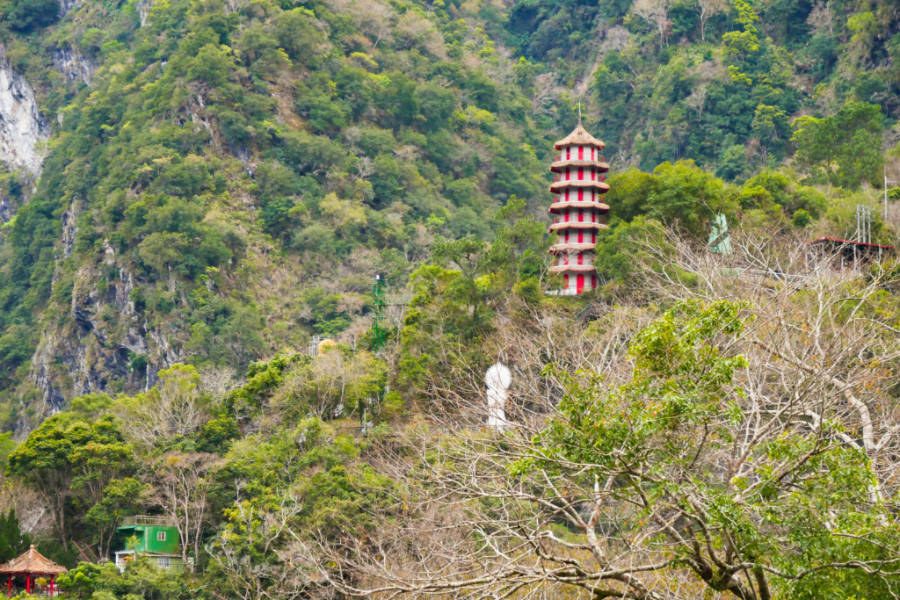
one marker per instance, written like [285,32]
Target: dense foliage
[223,180]
[224,156]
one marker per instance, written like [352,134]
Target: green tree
[142,579]
[120,498]
[69,460]
[13,541]
[680,194]
[843,149]
[28,15]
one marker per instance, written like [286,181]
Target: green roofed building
[151,536]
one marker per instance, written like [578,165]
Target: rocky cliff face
[70,62]
[22,129]
[7,209]
[65,6]
[104,344]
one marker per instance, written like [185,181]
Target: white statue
[498,379]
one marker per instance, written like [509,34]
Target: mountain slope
[223,179]
[233,177]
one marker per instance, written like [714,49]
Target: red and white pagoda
[578,210]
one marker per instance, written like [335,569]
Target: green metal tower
[379,331]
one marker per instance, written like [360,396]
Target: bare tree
[744,444]
[821,18]
[655,12]
[257,552]
[175,407]
[708,8]
[704,73]
[182,485]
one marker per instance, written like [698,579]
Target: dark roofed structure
[852,250]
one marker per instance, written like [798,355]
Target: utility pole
[863,224]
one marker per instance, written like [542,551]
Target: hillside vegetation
[223,180]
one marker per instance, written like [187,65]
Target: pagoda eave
[559,165]
[558,186]
[571,247]
[577,225]
[560,206]
[573,269]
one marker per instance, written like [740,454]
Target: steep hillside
[226,181]
[214,181]
[195,192]
[716,81]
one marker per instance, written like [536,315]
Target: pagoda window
[581,195]
[580,258]
[566,215]
[566,281]
[580,173]
[567,236]
[567,194]
[580,214]
[580,152]
[568,151]
[580,237]
[593,237]
[580,282]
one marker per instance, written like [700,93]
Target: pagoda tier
[578,209]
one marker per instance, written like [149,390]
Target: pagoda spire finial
[579,112]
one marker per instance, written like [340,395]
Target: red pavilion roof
[32,563]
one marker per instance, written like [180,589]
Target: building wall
[152,538]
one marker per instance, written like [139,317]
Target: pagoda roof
[559,206]
[573,268]
[571,247]
[32,563]
[577,225]
[559,165]
[557,186]
[579,137]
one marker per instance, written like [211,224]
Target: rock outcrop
[106,344]
[71,63]
[22,129]
[65,6]
[7,209]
